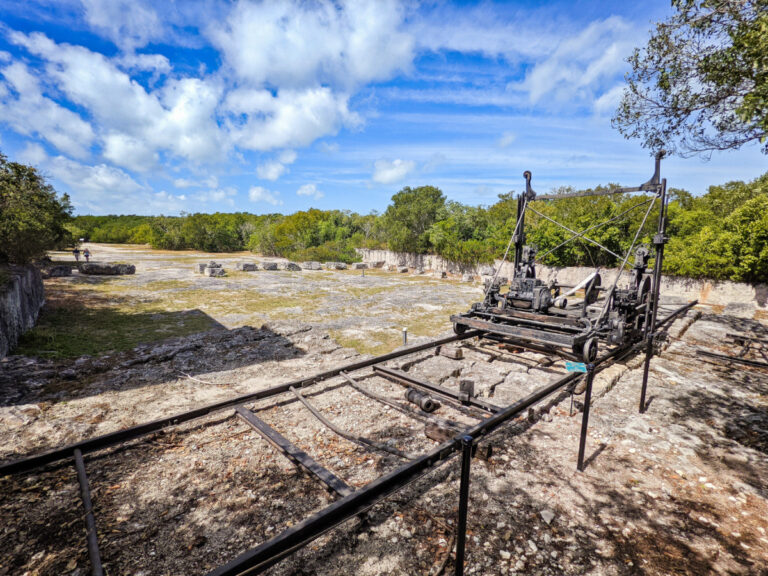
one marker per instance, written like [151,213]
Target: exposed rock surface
[21,298]
[246,266]
[290,267]
[679,489]
[312,265]
[57,271]
[335,266]
[103,269]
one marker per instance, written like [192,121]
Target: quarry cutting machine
[573,320]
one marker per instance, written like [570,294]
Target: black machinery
[539,314]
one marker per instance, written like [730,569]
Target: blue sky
[150,108]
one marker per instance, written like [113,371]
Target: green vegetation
[701,83]
[32,216]
[722,234]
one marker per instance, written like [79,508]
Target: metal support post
[405,336]
[585,416]
[646,368]
[90,523]
[650,325]
[461,528]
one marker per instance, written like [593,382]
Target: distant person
[76,252]
[87,254]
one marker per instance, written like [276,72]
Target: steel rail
[273,551]
[294,453]
[85,446]
[361,440]
[737,359]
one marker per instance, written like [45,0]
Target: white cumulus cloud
[295,44]
[273,169]
[310,190]
[259,194]
[25,108]
[390,171]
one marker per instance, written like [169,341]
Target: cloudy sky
[162,107]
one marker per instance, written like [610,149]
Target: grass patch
[78,322]
[165,285]
[375,342]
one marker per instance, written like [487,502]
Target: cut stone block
[213,272]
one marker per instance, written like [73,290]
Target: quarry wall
[734,298]
[21,299]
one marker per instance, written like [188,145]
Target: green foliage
[32,216]
[722,234]
[701,83]
[408,219]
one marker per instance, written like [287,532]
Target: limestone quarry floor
[680,489]
[93,314]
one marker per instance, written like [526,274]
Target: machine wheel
[589,351]
[643,289]
[590,292]
[459,329]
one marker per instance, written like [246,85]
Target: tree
[32,216]
[701,83]
[408,219]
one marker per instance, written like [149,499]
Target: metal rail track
[352,502]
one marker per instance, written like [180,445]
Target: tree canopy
[408,219]
[32,215]
[701,83]
[722,234]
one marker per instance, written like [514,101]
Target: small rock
[505,554]
[402,269]
[269,265]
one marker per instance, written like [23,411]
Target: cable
[624,263]
[574,232]
[598,225]
[349,436]
[509,245]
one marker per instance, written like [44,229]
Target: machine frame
[538,315]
